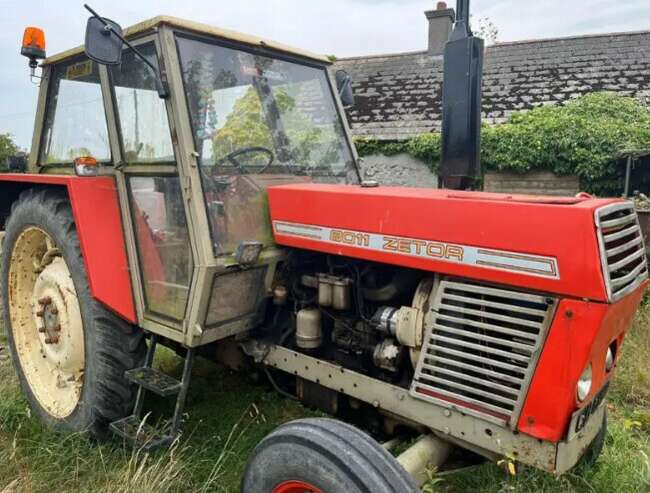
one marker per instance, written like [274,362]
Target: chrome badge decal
[520,263]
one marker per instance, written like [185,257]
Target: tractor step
[132,428]
[154,381]
[140,434]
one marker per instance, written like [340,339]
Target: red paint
[296,487]
[561,228]
[96,211]
[581,332]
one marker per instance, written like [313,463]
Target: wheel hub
[46,322]
[57,320]
[50,318]
[295,486]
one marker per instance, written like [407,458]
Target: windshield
[253,113]
[257,121]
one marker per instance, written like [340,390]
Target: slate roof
[398,95]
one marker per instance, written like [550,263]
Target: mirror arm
[161,87]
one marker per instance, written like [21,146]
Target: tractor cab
[195,123]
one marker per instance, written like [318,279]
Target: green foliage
[246,126]
[585,137]
[7,148]
[427,148]
[367,147]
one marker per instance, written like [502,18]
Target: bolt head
[41,330]
[45,301]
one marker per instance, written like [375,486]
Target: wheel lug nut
[45,301]
[51,340]
[41,330]
[54,310]
[57,328]
[40,313]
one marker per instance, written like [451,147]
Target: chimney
[440,23]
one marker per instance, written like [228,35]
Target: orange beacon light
[33,45]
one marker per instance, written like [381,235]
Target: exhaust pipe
[428,452]
[461,105]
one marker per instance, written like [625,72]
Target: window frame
[40,159]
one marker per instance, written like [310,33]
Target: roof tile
[399,96]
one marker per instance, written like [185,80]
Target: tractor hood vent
[622,249]
[481,349]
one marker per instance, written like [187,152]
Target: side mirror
[102,45]
[344,86]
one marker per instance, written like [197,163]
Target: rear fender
[96,210]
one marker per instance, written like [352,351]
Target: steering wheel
[232,157]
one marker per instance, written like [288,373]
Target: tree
[7,148]
[486,29]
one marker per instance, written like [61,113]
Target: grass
[229,413]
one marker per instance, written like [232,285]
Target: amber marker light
[86,166]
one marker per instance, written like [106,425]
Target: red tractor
[198,188]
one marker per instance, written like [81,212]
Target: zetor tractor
[198,188]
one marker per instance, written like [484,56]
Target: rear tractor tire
[69,351]
[323,456]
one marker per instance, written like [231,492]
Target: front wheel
[323,456]
[69,351]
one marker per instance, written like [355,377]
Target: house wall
[405,170]
[531,183]
[398,170]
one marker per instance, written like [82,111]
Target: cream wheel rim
[46,322]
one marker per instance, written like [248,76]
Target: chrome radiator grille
[622,249]
[481,348]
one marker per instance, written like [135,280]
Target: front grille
[481,348]
[622,249]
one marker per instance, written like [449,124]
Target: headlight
[584,384]
[611,357]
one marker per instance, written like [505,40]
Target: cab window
[75,120]
[142,116]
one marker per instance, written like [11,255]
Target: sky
[338,27]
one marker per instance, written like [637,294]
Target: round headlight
[611,357]
[584,384]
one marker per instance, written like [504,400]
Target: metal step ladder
[138,432]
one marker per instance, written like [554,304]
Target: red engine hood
[539,243]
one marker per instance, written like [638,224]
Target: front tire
[69,351]
[323,456]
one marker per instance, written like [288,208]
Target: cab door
[150,190]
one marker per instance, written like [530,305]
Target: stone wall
[532,183]
[398,170]
[405,170]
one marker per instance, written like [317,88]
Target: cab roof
[197,27]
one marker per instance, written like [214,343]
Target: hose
[280,391]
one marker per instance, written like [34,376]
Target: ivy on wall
[585,137]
